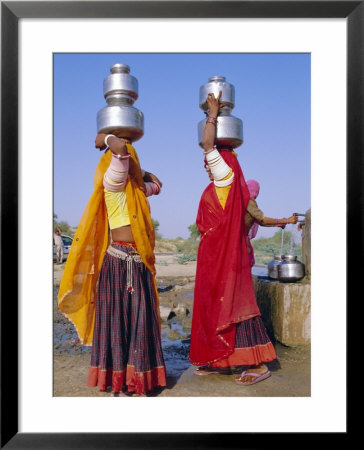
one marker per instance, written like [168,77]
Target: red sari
[224,293]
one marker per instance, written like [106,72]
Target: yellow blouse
[117,208]
[223,192]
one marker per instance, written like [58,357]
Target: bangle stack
[217,165]
[209,151]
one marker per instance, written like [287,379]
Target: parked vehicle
[67,242]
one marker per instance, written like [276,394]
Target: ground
[291,372]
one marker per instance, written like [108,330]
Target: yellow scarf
[78,288]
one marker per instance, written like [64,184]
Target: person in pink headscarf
[255,217]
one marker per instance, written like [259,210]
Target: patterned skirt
[126,350]
[252,345]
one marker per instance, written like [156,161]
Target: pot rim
[289,257]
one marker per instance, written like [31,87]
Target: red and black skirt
[126,351]
[252,345]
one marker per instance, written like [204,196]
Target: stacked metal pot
[229,130]
[120,92]
[286,269]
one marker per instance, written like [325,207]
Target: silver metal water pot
[214,86]
[120,86]
[229,129]
[120,92]
[290,269]
[273,267]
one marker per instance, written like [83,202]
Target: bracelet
[211,121]
[209,151]
[106,138]
[116,155]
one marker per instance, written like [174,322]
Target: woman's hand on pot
[214,104]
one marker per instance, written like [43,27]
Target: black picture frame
[11,12]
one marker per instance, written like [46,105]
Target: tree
[194,232]
[155,224]
[63,225]
[156,227]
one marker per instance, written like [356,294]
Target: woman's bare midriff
[122,234]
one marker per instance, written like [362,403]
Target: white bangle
[106,138]
[224,183]
[209,151]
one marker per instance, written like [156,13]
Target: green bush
[162,263]
[188,246]
[186,257]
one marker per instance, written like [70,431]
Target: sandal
[259,377]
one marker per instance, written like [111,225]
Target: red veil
[224,293]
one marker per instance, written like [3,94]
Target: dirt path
[290,373]
[290,378]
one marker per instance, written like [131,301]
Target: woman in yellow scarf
[108,290]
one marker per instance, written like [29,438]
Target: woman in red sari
[227,329]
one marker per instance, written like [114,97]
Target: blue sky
[272,98]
